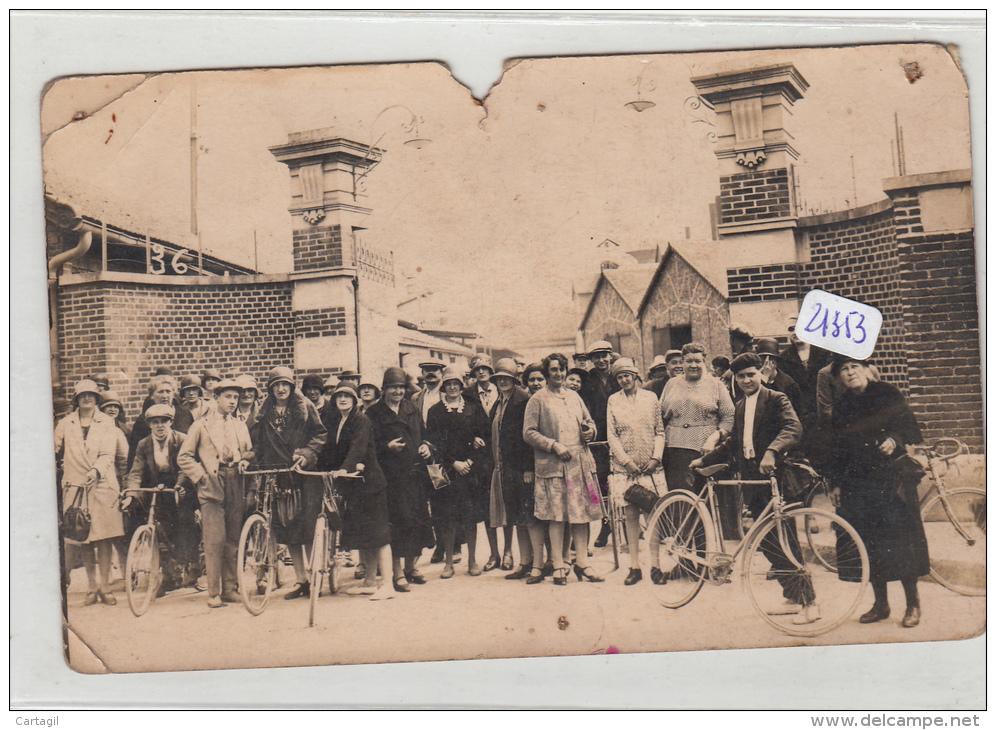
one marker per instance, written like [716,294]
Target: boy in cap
[214,456]
[156,464]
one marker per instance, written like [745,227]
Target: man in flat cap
[595,392]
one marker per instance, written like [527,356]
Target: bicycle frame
[718,562]
[155,491]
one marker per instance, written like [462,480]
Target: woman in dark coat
[872,425]
[397,430]
[458,430]
[366,523]
[512,502]
[289,432]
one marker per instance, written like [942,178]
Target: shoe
[361,572]
[401,585]
[560,576]
[215,602]
[877,613]
[260,587]
[302,590]
[231,596]
[603,537]
[415,577]
[507,563]
[473,569]
[89,599]
[809,614]
[787,607]
[912,617]
[107,599]
[161,590]
[437,555]
[634,577]
[586,572]
[519,574]
[493,562]
[547,569]
[536,575]
[362,590]
[657,577]
[381,594]
[457,558]
[201,584]
[447,572]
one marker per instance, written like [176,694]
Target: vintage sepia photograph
[350,367]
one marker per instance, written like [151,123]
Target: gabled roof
[629,283]
[704,258]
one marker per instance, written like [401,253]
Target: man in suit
[765,427]
[214,456]
[595,392]
[156,463]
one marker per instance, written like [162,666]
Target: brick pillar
[328,214]
[757,207]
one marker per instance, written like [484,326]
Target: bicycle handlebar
[934,451]
[280,470]
[159,488]
[335,474]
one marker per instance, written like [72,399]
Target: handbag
[908,475]
[639,496]
[438,476]
[76,518]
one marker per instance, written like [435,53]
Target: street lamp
[410,127]
[640,104]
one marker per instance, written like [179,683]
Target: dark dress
[407,478]
[277,441]
[512,456]
[366,523]
[451,433]
[885,515]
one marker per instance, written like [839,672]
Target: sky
[501,211]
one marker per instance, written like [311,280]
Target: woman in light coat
[86,441]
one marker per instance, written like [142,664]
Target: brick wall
[763,283]
[320,322]
[129,329]
[754,196]
[940,310]
[319,247]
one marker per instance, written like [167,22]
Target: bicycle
[785,579]
[143,574]
[954,521]
[257,561]
[325,561]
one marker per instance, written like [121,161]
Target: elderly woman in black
[872,424]
[351,447]
[289,432]
[397,431]
[458,431]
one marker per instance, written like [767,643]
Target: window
[671,338]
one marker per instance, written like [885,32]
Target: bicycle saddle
[708,471]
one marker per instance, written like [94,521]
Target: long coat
[884,511]
[367,522]
[405,474]
[595,393]
[452,434]
[79,456]
[303,435]
[512,457]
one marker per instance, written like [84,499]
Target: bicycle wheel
[257,564]
[677,536]
[957,557]
[142,569]
[819,532]
[783,575]
[319,563]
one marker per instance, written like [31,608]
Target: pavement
[464,617]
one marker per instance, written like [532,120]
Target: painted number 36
[852,329]
[159,264]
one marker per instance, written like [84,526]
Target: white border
[45,45]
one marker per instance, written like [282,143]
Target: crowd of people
[537,452]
